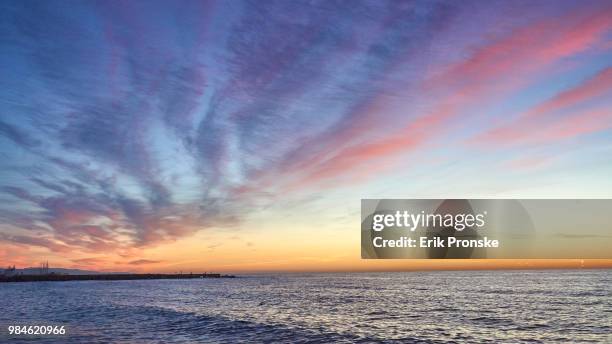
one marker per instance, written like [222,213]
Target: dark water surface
[426,307]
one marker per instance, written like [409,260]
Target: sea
[553,306]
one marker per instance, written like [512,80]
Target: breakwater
[105,277]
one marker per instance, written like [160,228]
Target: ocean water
[412,307]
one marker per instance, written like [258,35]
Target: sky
[242,135]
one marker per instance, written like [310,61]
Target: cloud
[528,162]
[491,71]
[17,135]
[89,261]
[551,126]
[593,87]
[144,262]
[581,236]
[44,242]
[529,48]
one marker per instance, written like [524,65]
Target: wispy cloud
[144,262]
[550,120]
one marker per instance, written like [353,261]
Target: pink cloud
[144,262]
[540,124]
[593,87]
[516,55]
[528,49]
[41,241]
[528,163]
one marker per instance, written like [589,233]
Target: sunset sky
[241,135]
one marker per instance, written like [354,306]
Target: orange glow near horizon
[313,265]
[257,247]
[243,257]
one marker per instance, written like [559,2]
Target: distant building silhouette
[44,268]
